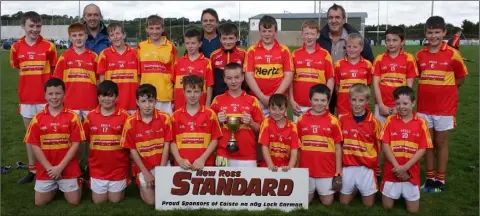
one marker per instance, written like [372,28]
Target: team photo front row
[139,108]
[341,154]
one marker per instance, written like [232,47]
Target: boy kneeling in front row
[405,137]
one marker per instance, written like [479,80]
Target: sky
[391,12]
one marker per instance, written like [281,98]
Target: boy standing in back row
[77,68]
[392,69]
[442,73]
[35,59]
[268,67]
[156,57]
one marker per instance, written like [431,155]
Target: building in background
[289,25]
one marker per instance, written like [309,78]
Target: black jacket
[326,43]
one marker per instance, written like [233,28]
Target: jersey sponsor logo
[218,63]
[258,58]
[267,71]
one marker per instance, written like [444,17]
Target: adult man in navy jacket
[332,38]
[97,31]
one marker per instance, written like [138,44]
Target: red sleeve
[295,140]
[175,71]
[214,105]
[385,134]
[76,129]
[337,132]
[168,129]
[458,65]
[60,68]
[369,75]
[173,58]
[376,66]
[137,61]
[216,131]
[264,135]
[95,65]
[425,140]
[52,56]
[337,73]
[13,57]
[412,69]
[257,114]
[287,60]
[329,69]
[102,64]
[248,64]
[86,128]
[128,135]
[33,133]
[209,74]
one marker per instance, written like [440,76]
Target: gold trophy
[233,123]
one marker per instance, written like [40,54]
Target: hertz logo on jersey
[268,71]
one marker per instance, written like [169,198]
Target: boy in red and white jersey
[77,68]
[35,59]
[442,70]
[405,138]
[237,103]
[321,150]
[361,136]
[107,160]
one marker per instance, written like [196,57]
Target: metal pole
[79,16]
[140,28]
[431,12]
[314,7]
[386,26]
[183,25]
[239,26]
[170,28]
[378,23]
[320,14]
[52,17]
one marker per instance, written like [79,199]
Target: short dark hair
[232,66]
[146,90]
[210,11]
[228,29]
[456,30]
[336,7]
[53,82]
[113,26]
[107,88]
[404,90]
[193,80]
[267,22]
[321,89]
[435,22]
[155,20]
[193,33]
[32,16]
[396,30]
[277,100]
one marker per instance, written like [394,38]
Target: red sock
[430,173]
[440,177]
[32,168]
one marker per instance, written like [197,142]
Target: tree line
[174,27]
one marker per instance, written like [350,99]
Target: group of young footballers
[145,107]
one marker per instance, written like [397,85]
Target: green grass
[460,198]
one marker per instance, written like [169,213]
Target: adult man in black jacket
[332,38]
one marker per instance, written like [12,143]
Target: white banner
[230,188]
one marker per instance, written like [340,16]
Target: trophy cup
[233,123]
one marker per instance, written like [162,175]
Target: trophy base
[232,146]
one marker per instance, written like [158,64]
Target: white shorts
[131,111]
[322,185]
[265,110]
[439,123]
[303,110]
[100,186]
[141,178]
[241,163]
[359,177]
[379,117]
[81,113]
[65,185]
[29,110]
[407,190]
[164,106]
